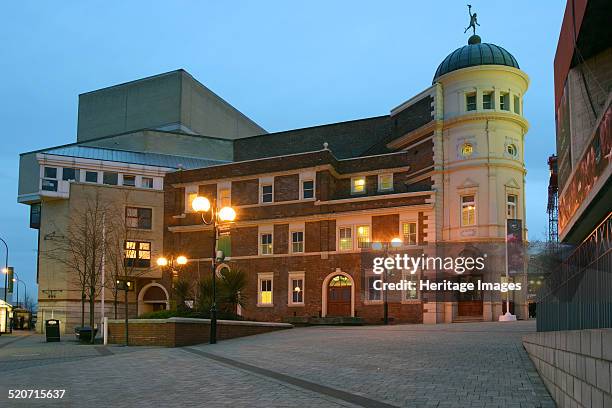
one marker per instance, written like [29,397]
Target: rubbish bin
[52,330]
[83,334]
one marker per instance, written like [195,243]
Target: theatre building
[446,166]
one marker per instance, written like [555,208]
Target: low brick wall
[576,365]
[179,331]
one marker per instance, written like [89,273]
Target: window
[307,189]
[468,211]
[69,174]
[225,197]
[504,101]
[467,149]
[517,104]
[264,294]
[297,241]
[511,150]
[147,182]
[363,236]
[487,100]
[267,193]
[411,294]
[266,244]
[296,288]
[112,179]
[385,182]
[91,176]
[358,185]
[409,232]
[190,197]
[470,102]
[138,217]
[137,254]
[346,238]
[35,216]
[129,180]
[373,294]
[49,185]
[511,207]
[50,172]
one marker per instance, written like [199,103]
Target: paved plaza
[459,365]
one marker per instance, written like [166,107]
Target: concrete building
[129,136]
[445,169]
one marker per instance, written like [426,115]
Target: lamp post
[25,288]
[215,218]
[395,243]
[5,272]
[164,262]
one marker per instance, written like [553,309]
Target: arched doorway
[338,295]
[152,297]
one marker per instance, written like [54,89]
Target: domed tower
[479,156]
[479,153]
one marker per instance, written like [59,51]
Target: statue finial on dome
[473,21]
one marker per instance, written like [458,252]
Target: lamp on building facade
[218,218]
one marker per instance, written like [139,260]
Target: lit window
[511,207]
[373,294]
[468,211]
[363,236]
[411,294]
[297,241]
[346,238]
[385,182]
[487,100]
[110,178]
[358,185]
[265,289]
[91,176]
[70,174]
[296,288]
[188,204]
[129,181]
[267,193]
[138,217]
[147,182]
[517,104]
[470,102]
[307,189]
[504,101]
[512,150]
[137,254]
[409,231]
[467,149]
[266,244]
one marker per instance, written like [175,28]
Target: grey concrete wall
[170,101]
[29,174]
[168,143]
[575,365]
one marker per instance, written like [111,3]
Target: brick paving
[460,365]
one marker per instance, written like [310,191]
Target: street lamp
[215,217]
[5,271]
[395,243]
[25,288]
[164,262]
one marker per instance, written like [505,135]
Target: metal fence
[579,294]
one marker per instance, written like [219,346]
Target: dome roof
[475,54]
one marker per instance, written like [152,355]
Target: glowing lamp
[200,204]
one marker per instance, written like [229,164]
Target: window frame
[369,275]
[469,104]
[75,174]
[491,102]
[510,204]
[142,182]
[138,217]
[89,172]
[465,205]
[303,190]
[516,108]
[296,276]
[352,238]
[363,244]
[380,177]
[129,176]
[261,192]
[353,190]
[111,174]
[504,101]
[407,242]
[405,275]
[292,242]
[265,276]
[137,250]
[270,244]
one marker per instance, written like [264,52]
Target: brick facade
[320,218]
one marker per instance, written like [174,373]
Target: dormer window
[267,193]
[358,185]
[385,182]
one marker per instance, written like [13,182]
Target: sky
[285,64]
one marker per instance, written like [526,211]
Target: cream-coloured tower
[479,156]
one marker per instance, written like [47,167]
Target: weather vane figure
[473,20]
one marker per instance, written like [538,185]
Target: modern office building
[444,168]
[129,136]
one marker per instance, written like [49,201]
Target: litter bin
[83,334]
[52,330]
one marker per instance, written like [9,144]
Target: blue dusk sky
[284,64]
